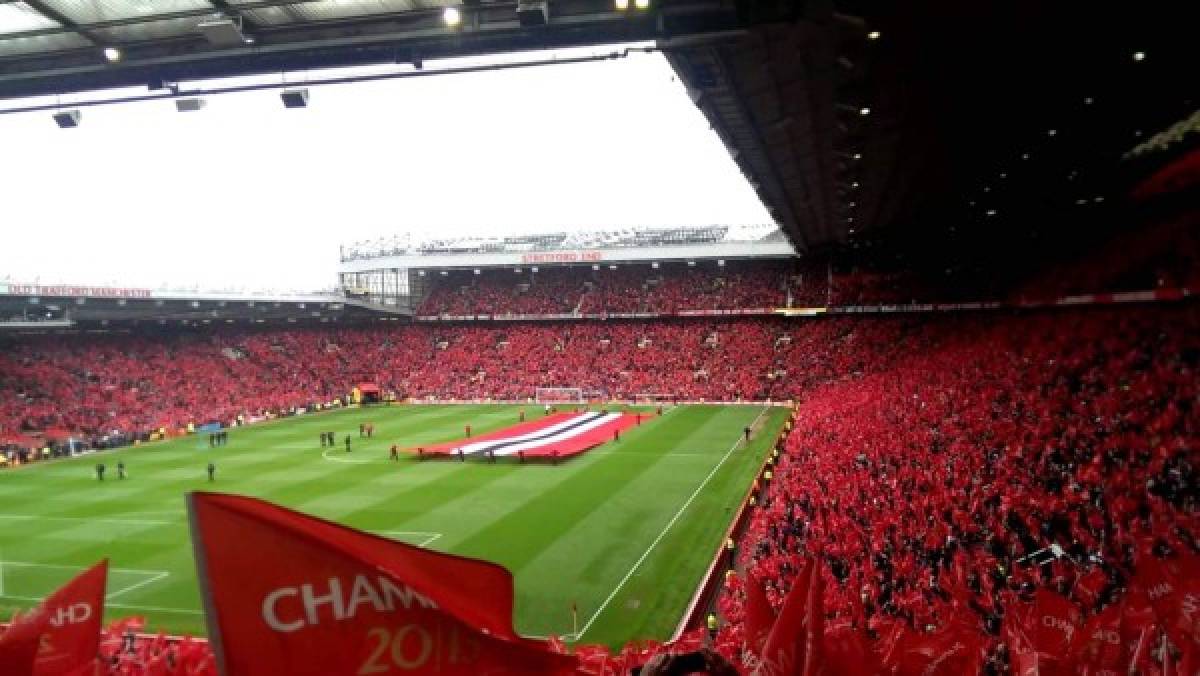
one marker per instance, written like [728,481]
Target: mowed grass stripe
[569,532]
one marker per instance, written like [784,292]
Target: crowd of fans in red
[134,384]
[668,288]
[932,464]
[937,478]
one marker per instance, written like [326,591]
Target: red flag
[954,649]
[76,612]
[794,645]
[19,643]
[1040,634]
[1097,647]
[845,651]
[760,616]
[62,635]
[289,593]
[1173,587]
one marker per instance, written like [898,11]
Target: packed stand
[600,289]
[119,386]
[548,291]
[1001,464]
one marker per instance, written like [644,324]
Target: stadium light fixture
[451,16]
[858,156]
[294,98]
[189,105]
[991,212]
[642,4]
[654,265]
[864,111]
[1139,56]
[67,119]
[622,5]
[721,262]
[691,264]
[1051,132]
[854,184]
[112,54]
[595,268]
[444,273]
[874,35]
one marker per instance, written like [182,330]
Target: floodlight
[533,13]
[67,119]
[112,54]
[641,4]
[864,111]
[188,105]
[622,5]
[451,16]
[223,32]
[1139,56]
[873,35]
[294,98]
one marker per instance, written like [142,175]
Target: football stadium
[601,337]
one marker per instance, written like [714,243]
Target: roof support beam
[133,20]
[65,21]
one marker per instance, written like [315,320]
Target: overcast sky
[247,194]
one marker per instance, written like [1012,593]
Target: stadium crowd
[996,458]
[627,288]
[939,467]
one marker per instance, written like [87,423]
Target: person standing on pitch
[212,471]
[322,440]
[100,471]
[347,443]
[120,470]
[467,429]
[395,455]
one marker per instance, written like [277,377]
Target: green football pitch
[626,531]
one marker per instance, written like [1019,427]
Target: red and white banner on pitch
[565,435]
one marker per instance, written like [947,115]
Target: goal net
[559,395]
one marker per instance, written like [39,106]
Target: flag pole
[575,619]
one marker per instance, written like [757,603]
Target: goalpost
[559,395]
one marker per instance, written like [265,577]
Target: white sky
[247,194]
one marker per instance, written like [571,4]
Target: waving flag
[287,593]
[63,632]
[794,645]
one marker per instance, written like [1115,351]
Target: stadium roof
[54,46]
[598,238]
[849,117]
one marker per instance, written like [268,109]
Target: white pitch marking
[39,517]
[325,454]
[431,536]
[637,564]
[30,564]
[143,583]
[157,609]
